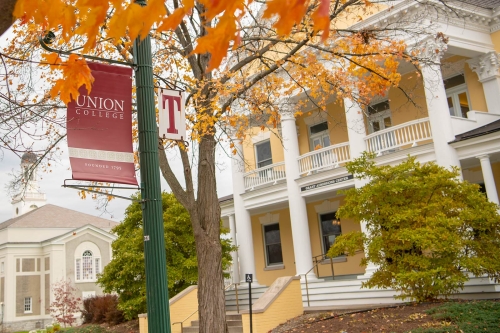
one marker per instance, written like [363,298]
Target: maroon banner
[99,128]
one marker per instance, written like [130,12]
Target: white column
[355,127]
[487,68]
[356,131]
[243,221]
[489,180]
[437,104]
[234,254]
[296,203]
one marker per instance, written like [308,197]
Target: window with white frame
[379,116]
[330,229]
[28,305]
[457,96]
[263,154]
[319,136]
[272,244]
[87,267]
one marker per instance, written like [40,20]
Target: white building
[44,244]
[286,191]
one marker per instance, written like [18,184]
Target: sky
[50,183]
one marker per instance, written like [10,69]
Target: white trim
[327,206]
[269,219]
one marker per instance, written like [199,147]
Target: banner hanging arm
[83,188]
[111,61]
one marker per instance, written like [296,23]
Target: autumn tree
[65,304]
[426,229]
[125,274]
[281,54]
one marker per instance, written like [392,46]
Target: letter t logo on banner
[172,115]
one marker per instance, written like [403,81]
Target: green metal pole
[152,213]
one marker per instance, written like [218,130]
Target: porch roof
[480,131]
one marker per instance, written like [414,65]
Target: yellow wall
[249,150]
[181,306]
[495,38]
[337,127]
[351,266]
[402,109]
[474,175]
[287,305]
[474,87]
[267,277]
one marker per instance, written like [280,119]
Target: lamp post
[152,212]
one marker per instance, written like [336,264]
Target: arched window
[87,267]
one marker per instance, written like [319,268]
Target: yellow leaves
[75,73]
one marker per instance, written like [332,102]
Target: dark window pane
[263,164]
[454,81]
[264,156]
[330,229]
[272,241]
[319,128]
[274,255]
[379,107]
[273,237]
[328,242]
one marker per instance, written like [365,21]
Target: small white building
[44,244]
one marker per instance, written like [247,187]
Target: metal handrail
[317,262]
[225,289]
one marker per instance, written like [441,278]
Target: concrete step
[234,324]
[243,297]
[349,292]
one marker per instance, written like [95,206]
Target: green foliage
[125,274]
[469,317]
[425,228]
[87,329]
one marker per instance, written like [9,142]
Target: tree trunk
[211,296]
[6,18]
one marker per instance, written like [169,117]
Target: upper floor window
[379,116]
[319,136]
[272,243]
[263,154]
[330,229]
[87,267]
[457,96]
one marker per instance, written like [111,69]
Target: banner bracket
[83,188]
[111,61]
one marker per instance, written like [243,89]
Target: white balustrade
[324,158]
[409,133]
[270,174]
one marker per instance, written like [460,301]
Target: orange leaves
[75,73]
[87,18]
[321,18]
[290,12]
[217,41]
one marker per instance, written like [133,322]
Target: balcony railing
[325,158]
[270,174]
[392,138]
